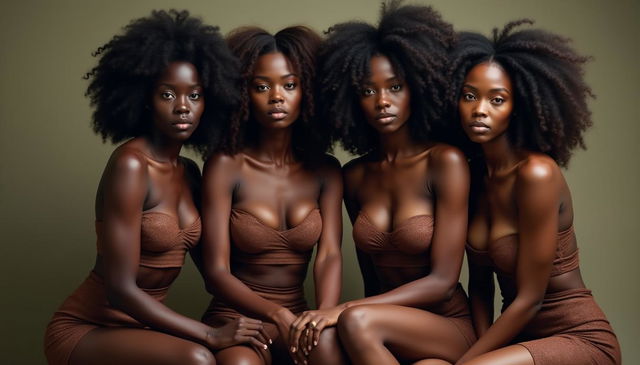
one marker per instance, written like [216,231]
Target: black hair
[416,41]
[130,63]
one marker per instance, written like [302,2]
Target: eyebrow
[173,86]
[492,90]
[281,77]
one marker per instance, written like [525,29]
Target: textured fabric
[163,245]
[569,328]
[253,242]
[406,246]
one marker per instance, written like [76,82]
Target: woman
[156,84]
[406,196]
[521,97]
[270,195]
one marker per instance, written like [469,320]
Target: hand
[305,330]
[283,320]
[240,330]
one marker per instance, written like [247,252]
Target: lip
[478,127]
[277,113]
[182,125]
[385,117]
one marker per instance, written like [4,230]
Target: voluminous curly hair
[550,112]
[121,83]
[416,41]
[299,45]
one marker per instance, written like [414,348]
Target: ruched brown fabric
[255,243]
[570,327]
[88,307]
[408,245]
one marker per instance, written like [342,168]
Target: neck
[164,150]
[499,155]
[398,145]
[274,146]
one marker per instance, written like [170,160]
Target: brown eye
[262,87]
[290,85]
[368,91]
[396,87]
[167,95]
[468,97]
[195,96]
[498,100]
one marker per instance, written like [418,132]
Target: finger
[295,333]
[256,334]
[304,341]
[317,330]
[254,341]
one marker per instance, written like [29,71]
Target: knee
[353,321]
[198,355]
[328,350]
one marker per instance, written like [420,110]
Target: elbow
[118,294]
[450,290]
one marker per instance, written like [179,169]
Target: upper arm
[330,203]
[217,193]
[124,189]
[451,189]
[537,193]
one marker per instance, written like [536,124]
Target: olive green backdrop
[50,161]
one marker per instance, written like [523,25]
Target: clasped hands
[304,331]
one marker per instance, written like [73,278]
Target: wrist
[279,314]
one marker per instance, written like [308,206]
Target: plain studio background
[51,161]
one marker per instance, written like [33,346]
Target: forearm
[481,305]
[235,293]
[150,312]
[505,328]
[418,293]
[327,274]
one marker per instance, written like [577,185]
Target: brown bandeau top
[163,244]
[407,245]
[502,254]
[253,242]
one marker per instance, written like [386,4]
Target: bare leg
[510,355]
[432,362]
[382,334]
[125,346]
[328,350]
[242,355]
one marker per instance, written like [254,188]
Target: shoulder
[444,156]
[128,158]
[223,161]
[537,169]
[328,164]
[354,170]
[191,168]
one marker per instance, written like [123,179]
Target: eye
[396,88]
[498,100]
[468,97]
[290,85]
[368,91]
[262,87]
[195,96]
[167,95]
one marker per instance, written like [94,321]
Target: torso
[392,214]
[170,200]
[280,201]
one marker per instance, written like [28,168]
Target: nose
[480,109]
[276,96]
[182,105]
[383,101]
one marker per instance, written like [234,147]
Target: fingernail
[315,343]
[293,349]
[264,346]
[270,342]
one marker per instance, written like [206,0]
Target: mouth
[182,125]
[385,117]
[277,114]
[478,127]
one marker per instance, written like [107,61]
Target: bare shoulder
[128,158]
[447,156]
[224,162]
[191,168]
[328,164]
[536,169]
[354,170]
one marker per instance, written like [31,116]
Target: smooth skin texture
[525,194]
[401,182]
[146,174]
[269,183]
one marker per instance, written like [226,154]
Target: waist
[272,257]
[399,259]
[270,276]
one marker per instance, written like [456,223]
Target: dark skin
[400,183]
[146,174]
[268,182]
[526,195]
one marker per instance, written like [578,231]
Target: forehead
[488,74]
[381,68]
[179,71]
[272,64]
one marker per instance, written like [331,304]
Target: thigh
[410,333]
[137,346]
[243,355]
[510,355]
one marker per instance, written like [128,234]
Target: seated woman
[271,194]
[521,98]
[160,85]
[381,89]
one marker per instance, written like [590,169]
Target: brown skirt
[570,328]
[218,314]
[456,310]
[85,309]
